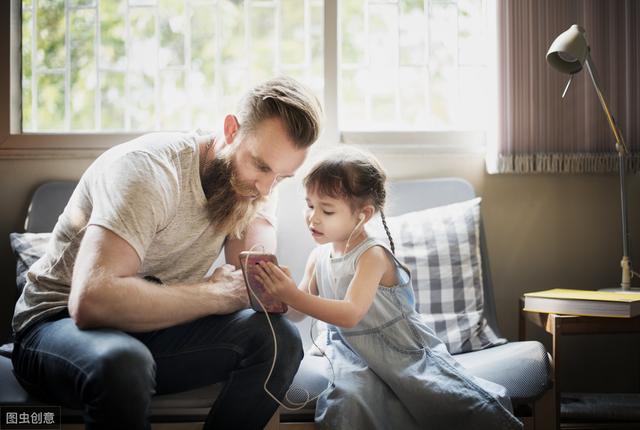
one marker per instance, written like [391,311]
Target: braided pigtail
[386,228]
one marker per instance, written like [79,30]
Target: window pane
[81,2]
[50,102]
[233,35]
[112,33]
[401,64]
[160,64]
[27,70]
[112,94]
[414,93]
[412,37]
[352,31]
[262,42]
[50,48]
[315,75]
[172,101]
[172,33]
[292,34]
[142,47]
[443,64]
[82,69]
[141,101]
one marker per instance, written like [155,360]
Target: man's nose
[264,186]
[267,184]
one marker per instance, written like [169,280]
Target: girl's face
[329,219]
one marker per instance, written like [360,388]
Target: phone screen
[249,264]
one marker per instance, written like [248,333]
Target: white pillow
[441,247]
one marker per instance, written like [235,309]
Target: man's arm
[259,232]
[105,291]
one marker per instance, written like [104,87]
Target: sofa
[522,367]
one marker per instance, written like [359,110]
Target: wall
[543,231]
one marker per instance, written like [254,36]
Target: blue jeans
[112,375]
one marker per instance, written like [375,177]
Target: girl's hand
[277,281]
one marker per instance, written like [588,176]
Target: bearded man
[95,329]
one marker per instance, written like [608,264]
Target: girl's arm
[307,285]
[343,313]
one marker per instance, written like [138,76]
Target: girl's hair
[352,175]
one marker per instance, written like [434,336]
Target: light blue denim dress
[391,371]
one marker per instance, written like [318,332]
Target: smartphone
[249,264]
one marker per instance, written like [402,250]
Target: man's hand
[227,285]
[277,281]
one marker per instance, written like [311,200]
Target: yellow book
[583,302]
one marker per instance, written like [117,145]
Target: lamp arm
[621,147]
[623,152]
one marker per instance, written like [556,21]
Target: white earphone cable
[300,405]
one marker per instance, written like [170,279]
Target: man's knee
[124,369]
[289,341]
[286,334]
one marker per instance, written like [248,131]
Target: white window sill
[432,142]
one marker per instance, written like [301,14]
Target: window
[412,64]
[134,65]
[129,65]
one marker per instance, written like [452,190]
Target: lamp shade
[569,51]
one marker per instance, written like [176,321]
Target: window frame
[17,144]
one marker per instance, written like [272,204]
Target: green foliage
[157,64]
[177,64]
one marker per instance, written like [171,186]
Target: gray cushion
[11,392]
[523,368]
[27,248]
[6,350]
[313,377]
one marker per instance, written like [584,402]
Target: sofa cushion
[28,248]
[523,368]
[6,350]
[441,247]
[313,378]
[11,392]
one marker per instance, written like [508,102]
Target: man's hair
[285,98]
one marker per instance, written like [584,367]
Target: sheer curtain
[539,132]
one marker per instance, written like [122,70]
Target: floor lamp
[569,53]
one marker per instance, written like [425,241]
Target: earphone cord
[346,247]
[300,405]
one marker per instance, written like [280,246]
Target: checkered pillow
[28,248]
[441,247]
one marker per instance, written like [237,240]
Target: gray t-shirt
[148,192]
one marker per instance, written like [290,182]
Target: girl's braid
[386,228]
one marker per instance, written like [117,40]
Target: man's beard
[229,210]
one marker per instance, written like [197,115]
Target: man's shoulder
[157,144]
[149,155]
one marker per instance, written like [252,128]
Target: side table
[558,325]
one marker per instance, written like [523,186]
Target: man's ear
[231,127]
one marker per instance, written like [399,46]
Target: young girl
[391,371]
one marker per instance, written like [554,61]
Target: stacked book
[584,303]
